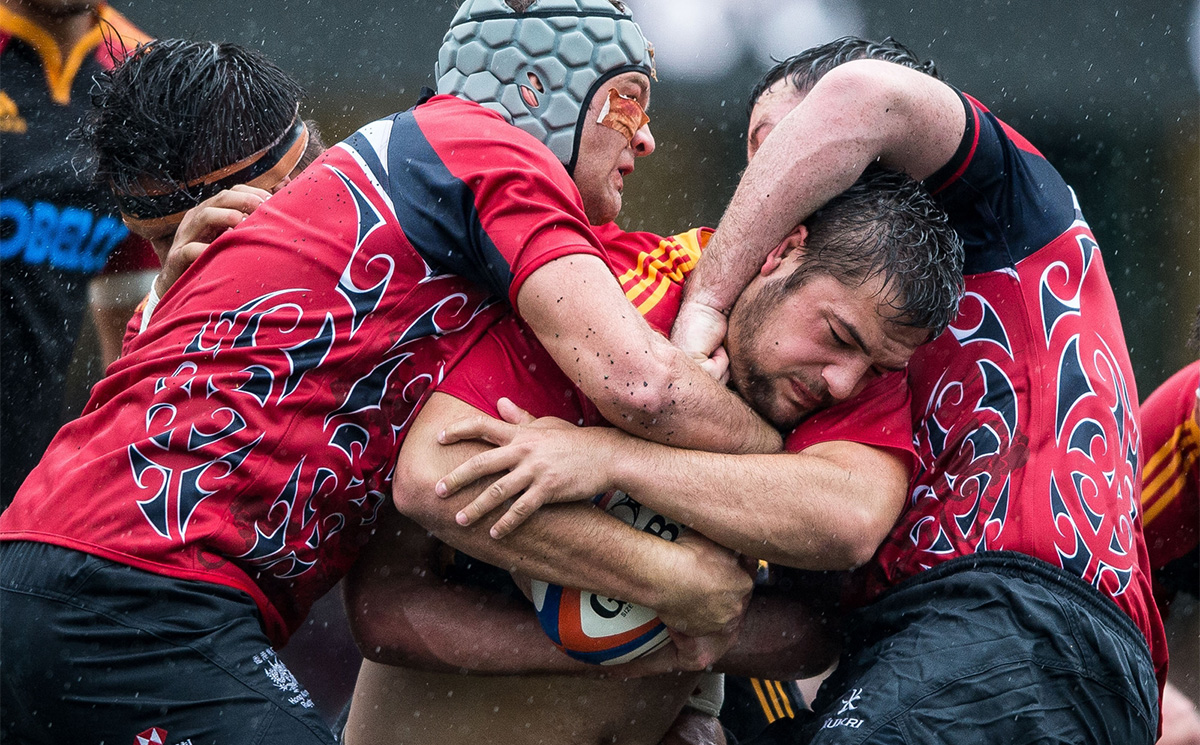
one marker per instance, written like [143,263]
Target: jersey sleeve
[474,195]
[509,362]
[879,416]
[1003,198]
[1171,468]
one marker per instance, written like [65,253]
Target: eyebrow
[639,81]
[753,138]
[863,345]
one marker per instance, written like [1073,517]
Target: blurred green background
[1107,91]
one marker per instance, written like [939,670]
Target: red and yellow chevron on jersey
[647,282]
[1171,476]
[652,268]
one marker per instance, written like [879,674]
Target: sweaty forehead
[771,106]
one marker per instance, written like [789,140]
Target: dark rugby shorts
[95,651]
[991,648]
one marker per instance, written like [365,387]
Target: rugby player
[61,229]
[846,260]
[1171,517]
[185,155]
[1011,599]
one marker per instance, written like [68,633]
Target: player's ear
[794,240]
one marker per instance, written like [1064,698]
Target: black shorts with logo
[95,651]
[992,648]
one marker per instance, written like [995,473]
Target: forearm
[859,113]
[637,379]
[492,634]
[777,192]
[573,545]
[781,639]
[826,508]
[399,605]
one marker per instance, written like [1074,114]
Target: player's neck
[66,22]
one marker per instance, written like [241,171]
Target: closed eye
[838,340]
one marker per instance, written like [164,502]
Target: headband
[264,169]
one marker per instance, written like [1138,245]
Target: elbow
[647,390]
[858,554]
[413,491]
[368,627]
[861,537]
[382,624]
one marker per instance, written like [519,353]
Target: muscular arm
[637,379]
[826,507]
[859,112]
[398,607]
[694,587]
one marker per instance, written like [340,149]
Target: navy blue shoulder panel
[1004,199]
[435,209]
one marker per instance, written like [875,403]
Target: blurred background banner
[1107,90]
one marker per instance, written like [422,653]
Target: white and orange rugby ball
[599,630]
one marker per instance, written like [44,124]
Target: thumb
[512,413]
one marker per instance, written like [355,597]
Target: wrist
[668,585]
[706,302]
[620,457]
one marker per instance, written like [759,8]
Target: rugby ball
[600,630]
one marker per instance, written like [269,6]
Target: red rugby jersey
[248,435]
[1171,473]
[1025,410]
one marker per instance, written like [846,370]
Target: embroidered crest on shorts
[282,678]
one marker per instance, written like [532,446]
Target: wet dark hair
[177,110]
[805,69]
[886,225]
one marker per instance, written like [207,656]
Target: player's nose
[845,378]
[643,141]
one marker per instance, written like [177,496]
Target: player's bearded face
[609,142]
[793,353]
